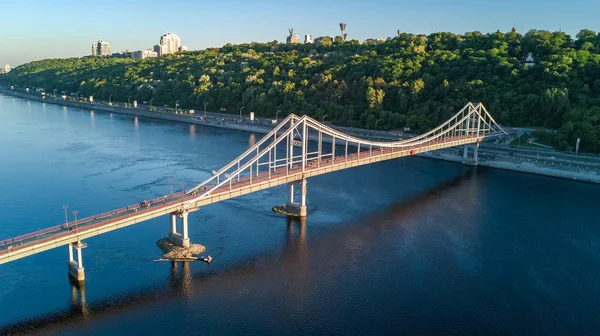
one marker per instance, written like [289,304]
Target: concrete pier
[179,239]
[75,267]
[466,159]
[298,209]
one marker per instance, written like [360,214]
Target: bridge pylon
[75,267]
[180,239]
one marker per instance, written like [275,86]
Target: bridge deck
[60,235]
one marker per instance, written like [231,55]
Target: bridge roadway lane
[13,248]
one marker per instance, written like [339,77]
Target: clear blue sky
[37,29]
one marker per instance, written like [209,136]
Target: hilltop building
[160,50]
[308,38]
[5,70]
[169,44]
[530,60]
[101,48]
[373,40]
[143,54]
[293,37]
[343,33]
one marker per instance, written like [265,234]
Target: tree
[413,80]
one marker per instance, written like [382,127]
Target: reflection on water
[136,124]
[251,140]
[295,260]
[78,302]
[193,130]
[181,278]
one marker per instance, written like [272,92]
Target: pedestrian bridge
[297,149]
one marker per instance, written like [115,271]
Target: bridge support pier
[180,239]
[75,267]
[299,209]
[471,161]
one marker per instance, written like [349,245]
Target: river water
[410,246]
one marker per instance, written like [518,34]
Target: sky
[38,29]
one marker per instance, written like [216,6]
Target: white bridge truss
[288,148]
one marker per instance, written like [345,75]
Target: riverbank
[492,156]
[536,167]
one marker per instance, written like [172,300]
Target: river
[409,246]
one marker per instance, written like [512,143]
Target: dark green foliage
[411,80]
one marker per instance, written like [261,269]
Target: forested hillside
[412,80]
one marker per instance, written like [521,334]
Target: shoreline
[523,167]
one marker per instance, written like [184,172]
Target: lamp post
[170,188]
[75,214]
[323,118]
[151,99]
[376,121]
[182,189]
[205,109]
[110,101]
[176,106]
[77,93]
[54,91]
[65,207]
[243,107]
[276,113]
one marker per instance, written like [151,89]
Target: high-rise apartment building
[308,38]
[101,48]
[171,43]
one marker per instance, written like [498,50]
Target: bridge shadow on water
[294,259]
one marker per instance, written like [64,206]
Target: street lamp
[276,113]
[110,101]
[151,99]
[170,188]
[65,207]
[323,118]
[75,214]
[176,106]
[376,121]
[243,107]
[54,91]
[182,189]
[77,93]
[205,109]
